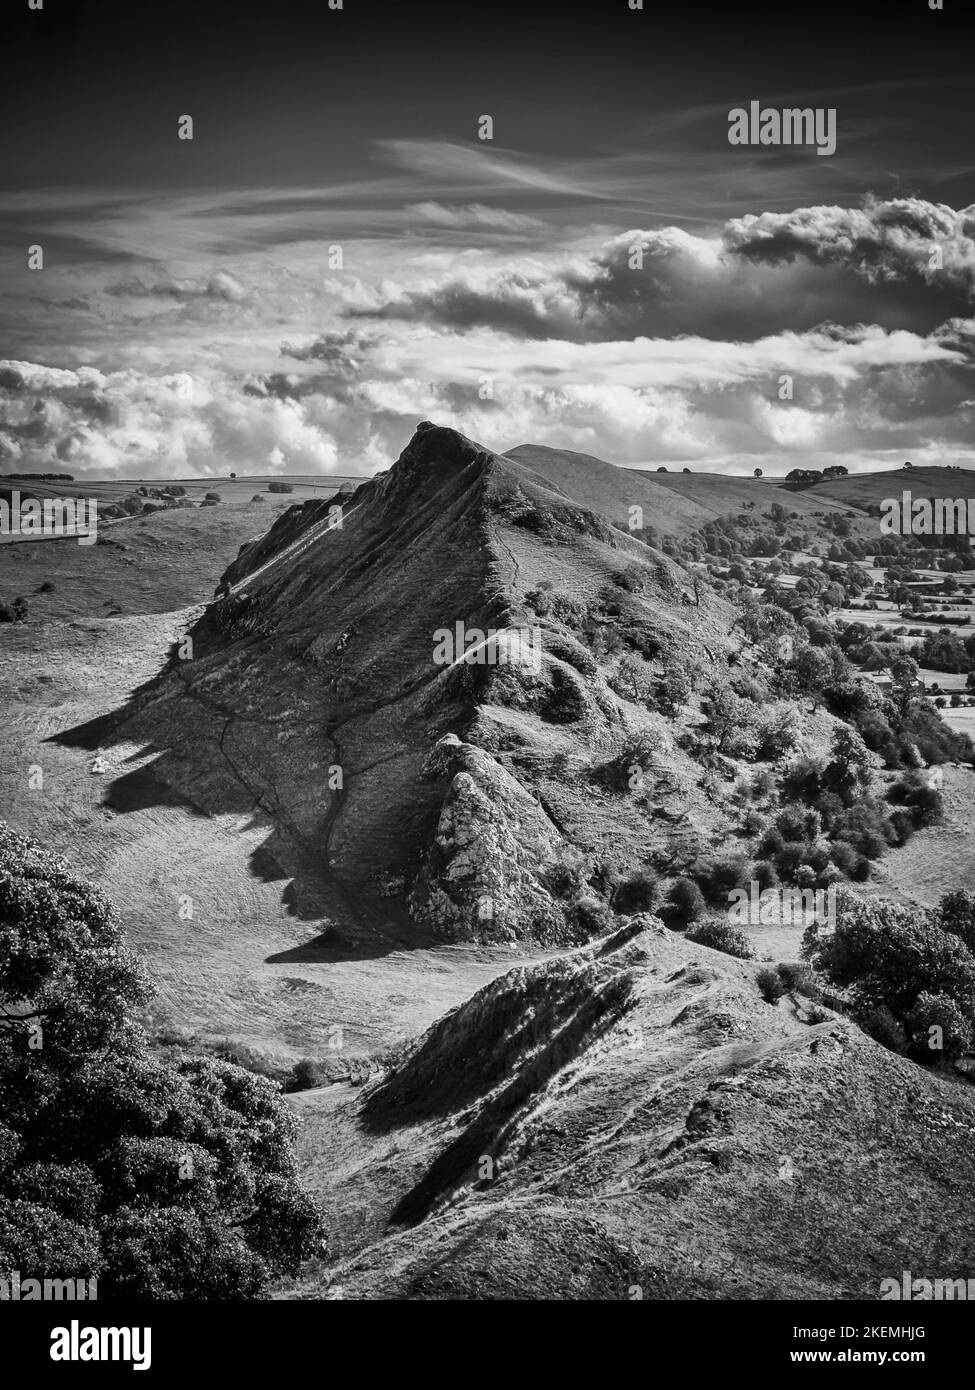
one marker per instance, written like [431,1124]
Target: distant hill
[870,489]
[674,504]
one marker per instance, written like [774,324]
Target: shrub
[925,803]
[593,915]
[277,486]
[778,733]
[636,757]
[888,955]
[636,893]
[305,1074]
[721,936]
[937,1028]
[798,978]
[771,986]
[716,877]
[97,1124]
[956,915]
[211,497]
[884,1028]
[764,874]
[671,691]
[684,904]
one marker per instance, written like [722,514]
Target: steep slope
[632,1120]
[312,694]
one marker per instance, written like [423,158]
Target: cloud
[643,346]
[222,286]
[902,263]
[475,215]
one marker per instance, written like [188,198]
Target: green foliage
[165,1178]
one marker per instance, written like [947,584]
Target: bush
[721,936]
[594,915]
[798,978]
[684,904]
[771,986]
[884,1028]
[99,1129]
[305,1074]
[764,874]
[925,803]
[937,1028]
[211,497]
[956,915]
[717,877]
[625,771]
[277,486]
[887,955]
[257,497]
[636,893]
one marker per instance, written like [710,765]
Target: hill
[675,504]
[634,1121]
[864,490]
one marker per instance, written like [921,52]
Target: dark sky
[336,255]
[293,92]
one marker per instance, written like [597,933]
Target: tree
[887,955]
[848,771]
[757,473]
[814,670]
[731,721]
[661,469]
[632,679]
[163,1179]
[906,678]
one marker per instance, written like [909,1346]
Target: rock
[482,877]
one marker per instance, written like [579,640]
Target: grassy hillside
[637,1122]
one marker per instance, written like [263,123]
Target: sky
[336,254]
